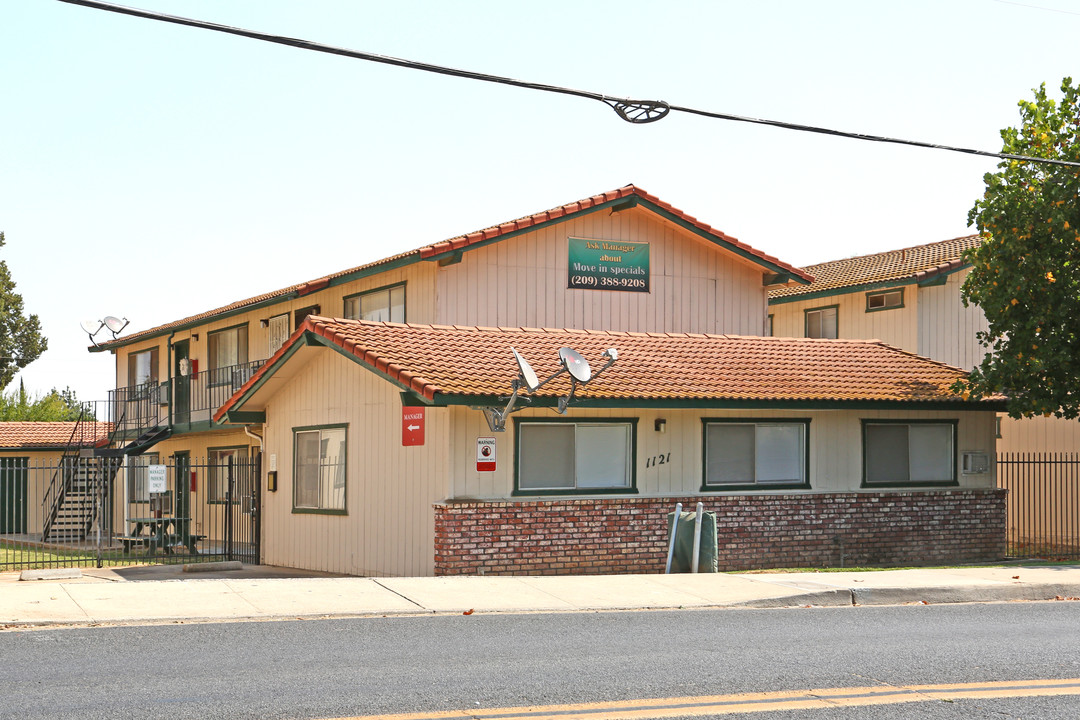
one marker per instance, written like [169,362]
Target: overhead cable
[633,111]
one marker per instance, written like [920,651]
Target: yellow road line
[652,708]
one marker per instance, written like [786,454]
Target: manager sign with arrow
[412,426]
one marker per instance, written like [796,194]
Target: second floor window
[821,323]
[143,367]
[228,347]
[384,305]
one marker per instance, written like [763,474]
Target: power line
[633,111]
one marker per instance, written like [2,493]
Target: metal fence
[181,400]
[93,511]
[1043,503]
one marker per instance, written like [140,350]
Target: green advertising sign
[608,265]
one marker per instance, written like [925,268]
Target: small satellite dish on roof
[528,375]
[115,324]
[570,361]
[575,364]
[91,327]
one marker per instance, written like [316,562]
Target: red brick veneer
[628,535]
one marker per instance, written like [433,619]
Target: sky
[153,171]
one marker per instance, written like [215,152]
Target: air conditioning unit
[976,463]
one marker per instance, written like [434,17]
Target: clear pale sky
[155,171]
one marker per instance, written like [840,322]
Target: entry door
[13,495]
[181,382]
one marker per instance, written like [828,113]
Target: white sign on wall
[157,478]
[485,454]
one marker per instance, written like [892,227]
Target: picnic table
[160,532]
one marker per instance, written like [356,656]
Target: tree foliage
[21,341]
[1026,273]
[53,406]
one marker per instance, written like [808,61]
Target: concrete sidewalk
[166,594]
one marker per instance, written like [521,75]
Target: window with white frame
[227,348]
[382,305]
[138,490]
[885,300]
[821,323]
[574,456]
[319,469]
[904,452]
[225,465]
[757,453]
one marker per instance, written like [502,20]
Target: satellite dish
[91,327]
[115,324]
[527,374]
[575,364]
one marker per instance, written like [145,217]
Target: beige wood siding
[947,328]
[419,279]
[522,281]
[895,326]
[1039,435]
[835,448]
[390,489]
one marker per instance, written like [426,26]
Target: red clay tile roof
[464,241]
[914,263]
[27,435]
[437,362]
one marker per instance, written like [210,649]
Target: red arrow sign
[412,426]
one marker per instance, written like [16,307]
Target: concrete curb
[856,596]
[213,566]
[970,594]
[51,574]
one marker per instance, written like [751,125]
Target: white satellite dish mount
[570,361]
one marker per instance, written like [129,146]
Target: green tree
[21,341]
[1026,273]
[54,405]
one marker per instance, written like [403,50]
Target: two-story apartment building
[379,396]
[909,298]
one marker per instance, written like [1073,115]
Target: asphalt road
[341,668]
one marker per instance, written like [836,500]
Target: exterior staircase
[80,495]
[75,511]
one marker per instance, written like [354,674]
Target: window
[143,367]
[137,486]
[886,300]
[217,473]
[300,315]
[228,348]
[821,322]
[769,325]
[762,453]
[583,456]
[277,333]
[909,453]
[319,469]
[385,305]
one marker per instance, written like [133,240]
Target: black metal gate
[1043,504]
[96,511]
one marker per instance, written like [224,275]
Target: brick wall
[628,535]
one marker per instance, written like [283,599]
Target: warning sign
[485,454]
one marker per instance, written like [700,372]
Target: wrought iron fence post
[99,500]
[229,487]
